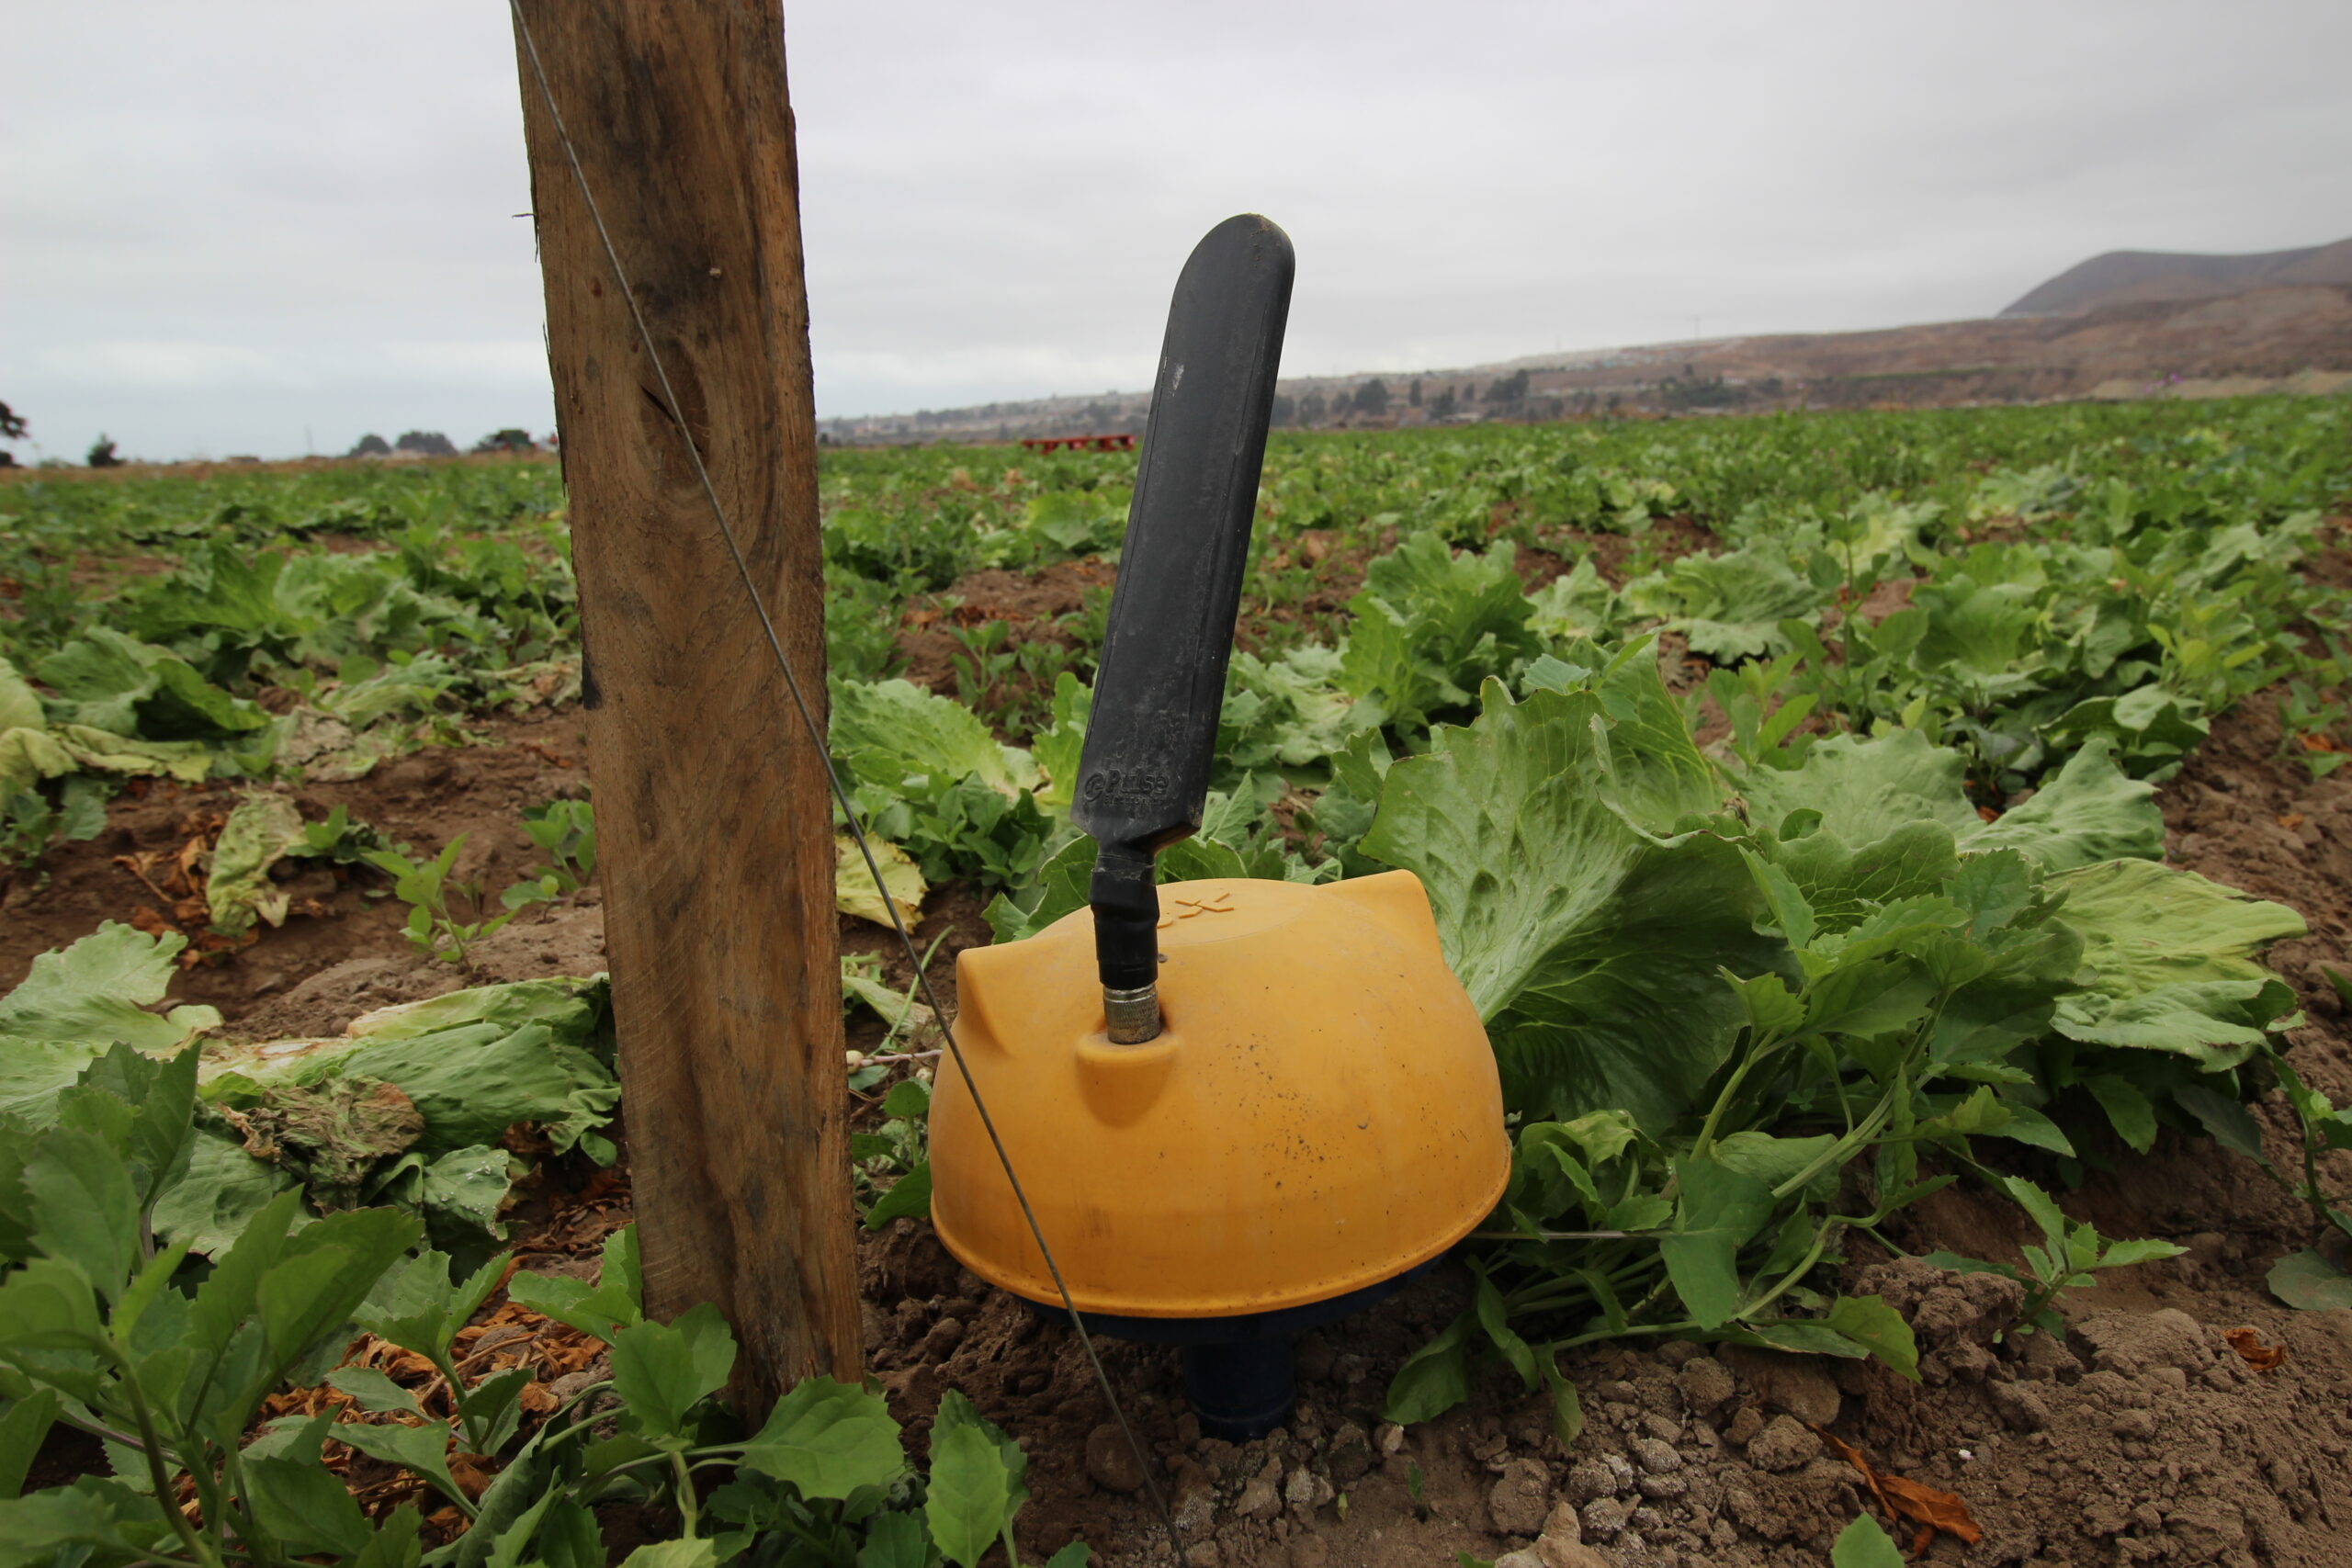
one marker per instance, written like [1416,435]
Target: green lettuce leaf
[1868,789]
[216,1195]
[1576,604]
[28,755]
[114,683]
[1730,607]
[1865,790]
[483,1060]
[19,708]
[888,731]
[190,761]
[30,750]
[473,1063]
[2089,812]
[1842,886]
[1430,626]
[258,833]
[409,1107]
[1592,948]
[2174,960]
[1983,615]
[96,992]
[1287,712]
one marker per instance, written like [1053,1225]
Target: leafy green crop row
[2015,582]
[303,625]
[1749,1001]
[1901,921]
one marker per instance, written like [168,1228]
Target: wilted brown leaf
[1939,1510]
[1923,1506]
[142,866]
[2248,1343]
[473,1473]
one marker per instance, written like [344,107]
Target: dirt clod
[1705,1385]
[1306,1491]
[1744,1427]
[2129,1342]
[1785,1443]
[1519,1501]
[1111,1462]
[1654,1456]
[2021,1408]
[1799,1386]
[1606,1516]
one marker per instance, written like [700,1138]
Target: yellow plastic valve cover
[1320,1113]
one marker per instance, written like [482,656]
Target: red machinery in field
[1080,443]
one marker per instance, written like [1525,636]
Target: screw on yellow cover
[1321,1112]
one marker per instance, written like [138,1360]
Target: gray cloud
[230,225]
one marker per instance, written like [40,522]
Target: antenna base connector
[1131,1017]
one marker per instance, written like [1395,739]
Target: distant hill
[2128,324]
[2128,277]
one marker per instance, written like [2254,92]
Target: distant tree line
[103,454]
[1508,396]
[434,443]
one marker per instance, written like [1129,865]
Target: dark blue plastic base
[1238,1371]
[1241,1390]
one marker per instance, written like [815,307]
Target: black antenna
[1152,731]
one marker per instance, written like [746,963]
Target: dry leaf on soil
[1923,1506]
[473,1473]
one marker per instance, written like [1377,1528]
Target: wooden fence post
[715,829]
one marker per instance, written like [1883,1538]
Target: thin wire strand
[832,777]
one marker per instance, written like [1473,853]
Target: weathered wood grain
[712,817]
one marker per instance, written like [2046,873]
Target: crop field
[1900,860]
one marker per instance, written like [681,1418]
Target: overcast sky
[270,225]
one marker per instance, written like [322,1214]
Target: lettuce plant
[1742,1012]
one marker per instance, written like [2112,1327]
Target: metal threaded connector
[1131,1017]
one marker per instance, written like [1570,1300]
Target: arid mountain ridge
[2128,323]
[2126,277]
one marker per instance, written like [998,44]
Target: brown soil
[2141,1438]
[1030,605]
[2246,812]
[1619,557]
[1336,561]
[423,800]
